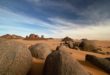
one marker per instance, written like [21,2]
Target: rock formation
[32,37]
[99,62]
[15,58]
[88,45]
[69,42]
[35,37]
[67,39]
[40,50]
[108,58]
[8,36]
[61,63]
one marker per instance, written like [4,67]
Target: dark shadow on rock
[61,63]
[99,62]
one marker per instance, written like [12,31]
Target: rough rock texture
[108,58]
[40,50]
[61,63]
[99,62]
[15,58]
[61,47]
[88,45]
[70,43]
[67,39]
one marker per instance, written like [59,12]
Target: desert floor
[37,66]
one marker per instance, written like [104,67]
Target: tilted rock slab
[99,62]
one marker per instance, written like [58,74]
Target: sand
[38,64]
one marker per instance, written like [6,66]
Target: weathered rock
[99,62]
[15,58]
[108,58]
[61,47]
[61,63]
[88,45]
[100,52]
[108,53]
[70,43]
[40,50]
[67,39]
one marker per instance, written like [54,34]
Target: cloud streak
[57,18]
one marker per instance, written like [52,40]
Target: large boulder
[15,58]
[99,62]
[88,45]
[62,63]
[40,50]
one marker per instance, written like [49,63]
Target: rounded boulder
[40,50]
[15,58]
[61,63]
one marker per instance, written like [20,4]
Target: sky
[56,18]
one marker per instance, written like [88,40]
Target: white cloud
[9,20]
[100,31]
[18,18]
[60,28]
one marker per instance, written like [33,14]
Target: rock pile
[69,42]
[84,44]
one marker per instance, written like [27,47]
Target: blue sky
[56,18]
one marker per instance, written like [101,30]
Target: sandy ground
[38,64]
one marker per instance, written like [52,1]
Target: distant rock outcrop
[35,37]
[32,37]
[99,62]
[40,50]
[15,58]
[61,63]
[8,36]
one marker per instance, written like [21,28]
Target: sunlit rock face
[15,58]
[61,63]
[40,50]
